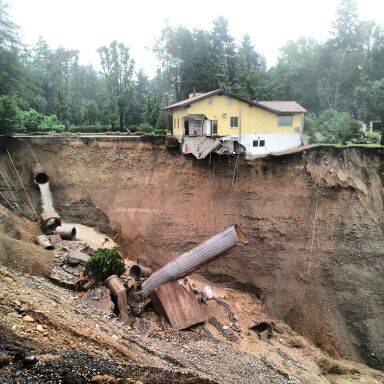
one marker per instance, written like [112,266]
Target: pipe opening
[135,271]
[41,178]
[73,233]
[241,236]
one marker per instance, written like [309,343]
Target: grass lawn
[349,145]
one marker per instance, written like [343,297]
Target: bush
[33,121]
[334,127]
[105,262]
[145,127]
[51,123]
[372,137]
[157,132]
[9,115]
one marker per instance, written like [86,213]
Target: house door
[186,127]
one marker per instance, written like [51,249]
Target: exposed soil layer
[314,222]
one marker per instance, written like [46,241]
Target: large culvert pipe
[195,258]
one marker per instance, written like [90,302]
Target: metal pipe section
[195,258]
[67,232]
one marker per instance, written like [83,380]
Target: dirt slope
[161,203]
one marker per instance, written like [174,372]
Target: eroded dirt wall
[161,203]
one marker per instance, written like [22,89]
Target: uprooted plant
[105,262]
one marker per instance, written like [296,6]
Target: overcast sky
[85,25]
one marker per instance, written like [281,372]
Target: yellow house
[219,121]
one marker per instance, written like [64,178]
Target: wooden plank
[179,305]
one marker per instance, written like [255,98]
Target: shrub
[145,127]
[372,137]
[105,262]
[133,128]
[334,127]
[51,123]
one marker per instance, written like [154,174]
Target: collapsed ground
[158,204]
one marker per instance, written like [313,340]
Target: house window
[178,121]
[259,143]
[285,121]
[174,122]
[209,100]
[214,127]
[234,122]
[229,100]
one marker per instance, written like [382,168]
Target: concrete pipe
[40,176]
[44,242]
[67,232]
[195,258]
[50,220]
[136,270]
[114,284]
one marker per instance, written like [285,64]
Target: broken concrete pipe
[44,242]
[195,258]
[67,232]
[114,284]
[50,220]
[136,270]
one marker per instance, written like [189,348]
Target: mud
[314,222]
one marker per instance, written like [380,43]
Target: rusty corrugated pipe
[195,258]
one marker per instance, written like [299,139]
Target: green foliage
[49,87]
[33,121]
[105,262]
[372,137]
[332,127]
[9,115]
[145,127]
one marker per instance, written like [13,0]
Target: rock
[5,360]
[55,239]
[208,292]
[70,378]
[29,360]
[40,328]
[99,298]
[28,319]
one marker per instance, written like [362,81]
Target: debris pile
[104,279]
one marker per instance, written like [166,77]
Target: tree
[346,27]
[117,69]
[9,115]
[250,76]
[295,77]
